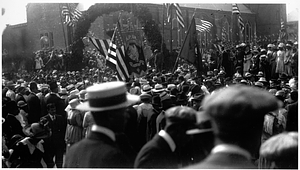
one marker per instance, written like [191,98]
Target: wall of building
[45,18]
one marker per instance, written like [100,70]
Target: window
[46,40]
[248,33]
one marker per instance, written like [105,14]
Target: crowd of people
[241,113]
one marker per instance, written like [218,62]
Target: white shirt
[104,130]
[168,139]
[227,148]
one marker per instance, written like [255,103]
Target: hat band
[108,101]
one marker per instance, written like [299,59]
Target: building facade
[45,20]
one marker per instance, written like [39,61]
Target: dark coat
[292,117]
[12,126]
[224,161]
[34,107]
[58,130]
[55,144]
[22,158]
[96,151]
[156,154]
[59,103]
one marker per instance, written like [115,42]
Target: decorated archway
[143,14]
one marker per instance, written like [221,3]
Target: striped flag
[116,55]
[71,15]
[241,22]
[224,34]
[101,45]
[235,9]
[202,25]
[168,6]
[179,15]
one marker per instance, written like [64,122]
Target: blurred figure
[12,126]
[237,114]
[100,149]
[164,149]
[74,132]
[292,113]
[281,150]
[29,151]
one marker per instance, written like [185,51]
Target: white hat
[281,45]
[158,88]
[107,96]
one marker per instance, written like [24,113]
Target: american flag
[224,34]
[116,55]
[235,9]
[179,15]
[101,45]
[71,15]
[202,25]
[241,22]
[168,6]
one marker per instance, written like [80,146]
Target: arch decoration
[150,27]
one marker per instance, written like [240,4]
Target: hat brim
[131,99]
[157,91]
[41,135]
[198,131]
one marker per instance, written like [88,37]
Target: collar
[104,130]
[231,149]
[168,139]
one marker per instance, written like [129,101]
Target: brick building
[262,23]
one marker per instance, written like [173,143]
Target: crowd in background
[40,119]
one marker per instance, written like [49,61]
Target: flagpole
[171,20]
[163,27]
[62,24]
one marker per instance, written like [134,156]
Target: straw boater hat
[107,96]
[158,88]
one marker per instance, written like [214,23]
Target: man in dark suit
[107,103]
[55,144]
[237,115]
[163,150]
[34,104]
[53,97]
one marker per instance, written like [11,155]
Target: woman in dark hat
[29,152]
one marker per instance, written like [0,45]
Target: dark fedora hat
[107,96]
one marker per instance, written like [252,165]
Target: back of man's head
[237,113]
[33,86]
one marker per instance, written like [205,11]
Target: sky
[12,17]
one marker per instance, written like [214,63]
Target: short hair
[282,149]
[33,85]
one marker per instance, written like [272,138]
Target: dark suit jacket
[59,103]
[34,107]
[58,129]
[95,151]
[224,161]
[292,117]
[156,154]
